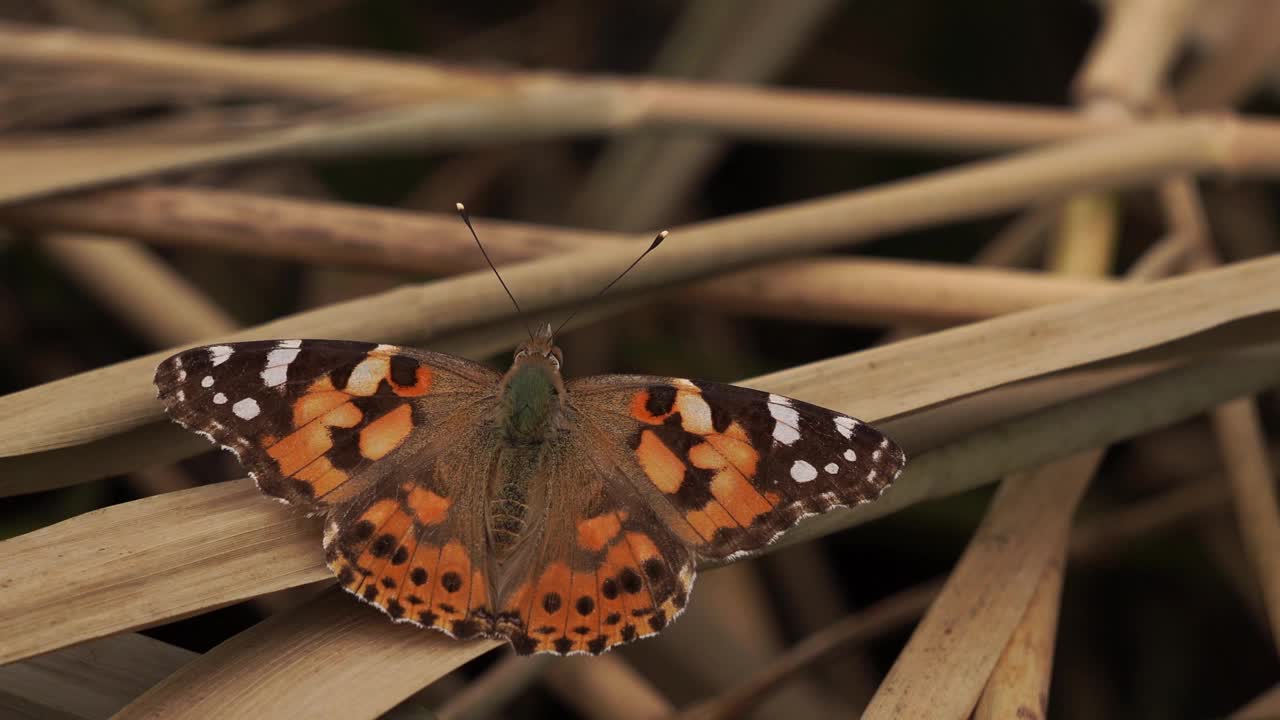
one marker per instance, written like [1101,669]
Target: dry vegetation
[1071,322]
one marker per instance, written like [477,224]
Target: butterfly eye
[555,361]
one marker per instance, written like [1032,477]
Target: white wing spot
[850,455]
[182,397]
[207,381]
[695,413]
[219,399]
[832,468]
[289,343]
[884,443]
[875,456]
[785,420]
[182,374]
[246,409]
[218,354]
[845,426]
[277,370]
[803,472]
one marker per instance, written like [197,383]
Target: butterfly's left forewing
[316,422]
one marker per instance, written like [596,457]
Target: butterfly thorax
[530,402]
[530,406]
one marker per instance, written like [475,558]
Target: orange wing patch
[312,440]
[663,467]
[427,507]
[597,532]
[386,433]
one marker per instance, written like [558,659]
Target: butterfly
[563,517]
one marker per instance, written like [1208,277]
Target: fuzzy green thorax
[530,401]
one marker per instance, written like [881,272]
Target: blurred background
[1165,625]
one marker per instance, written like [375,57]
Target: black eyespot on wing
[630,580]
[451,581]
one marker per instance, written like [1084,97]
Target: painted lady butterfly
[563,517]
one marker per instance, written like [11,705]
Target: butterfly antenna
[656,242]
[466,218]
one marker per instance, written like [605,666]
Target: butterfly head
[540,349]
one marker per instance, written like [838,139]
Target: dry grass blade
[287,653]
[147,562]
[90,681]
[985,596]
